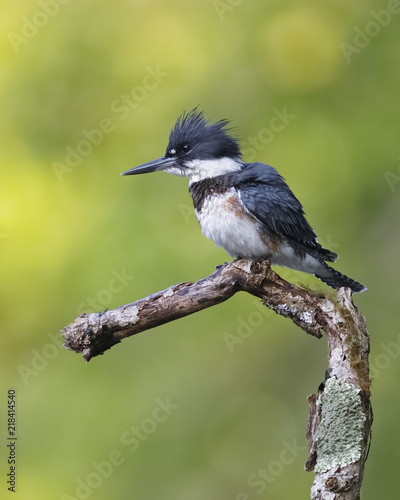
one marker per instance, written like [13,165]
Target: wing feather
[265,194]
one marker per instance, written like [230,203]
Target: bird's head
[196,149]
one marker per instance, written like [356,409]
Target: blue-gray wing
[269,199]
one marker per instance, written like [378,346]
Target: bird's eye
[186,148]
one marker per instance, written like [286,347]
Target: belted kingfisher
[245,208]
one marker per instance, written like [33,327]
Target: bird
[246,208]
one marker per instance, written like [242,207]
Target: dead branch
[340,415]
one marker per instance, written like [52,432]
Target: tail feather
[313,248]
[325,254]
[337,280]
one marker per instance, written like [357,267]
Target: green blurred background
[75,236]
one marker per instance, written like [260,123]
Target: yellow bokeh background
[301,50]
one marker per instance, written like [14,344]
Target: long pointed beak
[151,166]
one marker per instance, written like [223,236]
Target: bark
[340,415]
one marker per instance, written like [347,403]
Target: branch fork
[340,415]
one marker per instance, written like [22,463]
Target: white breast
[203,169]
[231,227]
